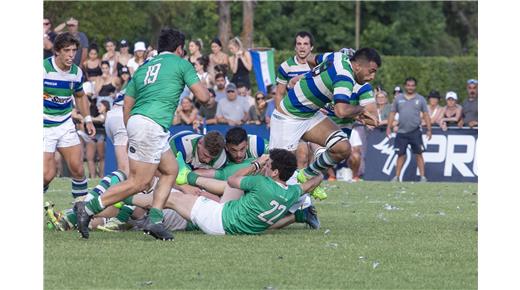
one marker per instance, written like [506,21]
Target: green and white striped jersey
[291,68]
[330,81]
[58,92]
[186,143]
[362,95]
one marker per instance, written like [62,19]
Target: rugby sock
[94,206]
[71,217]
[129,200]
[79,187]
[156,215]
[192,178]
[299,216]
[323,162]
[125,212]
[45,188]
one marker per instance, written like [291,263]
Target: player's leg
[168,168]
[302,155]
[90,155]
[417,146]
[49,169]
[231,193]
[73,157]
[121,157]
[400,145]
[100,149]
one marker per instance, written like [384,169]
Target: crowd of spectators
[233,101]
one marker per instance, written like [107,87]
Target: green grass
[430,242]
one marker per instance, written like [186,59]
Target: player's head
[236,144]
[303,44]
[410,84]
[65,48]
[281,164]
[365,63]
[210,146]
[171,40]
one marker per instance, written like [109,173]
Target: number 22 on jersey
[276,206]
[152,73]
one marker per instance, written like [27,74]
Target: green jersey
[231,168]
[264,202]
[157,85]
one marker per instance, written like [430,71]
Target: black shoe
[158,231]
[83,218]
[311,217]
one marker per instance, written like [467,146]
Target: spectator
[73,27]
[244,92]
[383,107]
[106,86]
[48,39]
[139,57]
[150,52]
[257,111]
[409,106]
[232,110]
[217,57]
[124,56]
[111,56]
[452,112]
[470,105]
[220,87]
[270,106]
[186,113]
[208,111]
[195,48]
[435,110]
[92,65]
[240,62]
[201,67]
[397,91]
[97,143]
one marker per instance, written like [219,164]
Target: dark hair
[65,39]
[216,41]
[220,75]
[367,54]
[108,39]
[105,62]
[214,142]
[410,79]
[50,21]
[284,161]
[212,92]
[236,135]
[221,68]
[106,104]
[242,85]
[93,46]
[204,61]
[169,40]
[303,34]
[198,43]
[434,94]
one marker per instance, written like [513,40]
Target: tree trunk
[248,12]
[224,23]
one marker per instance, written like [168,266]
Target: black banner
[449,156]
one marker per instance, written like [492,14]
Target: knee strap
[335,138]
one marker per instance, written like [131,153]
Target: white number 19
[152,73]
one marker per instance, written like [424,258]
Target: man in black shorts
[409,105]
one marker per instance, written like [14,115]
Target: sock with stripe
[45,188]
[323,162]
[94,206]
[125,212]
[79,187]
[299,216]
[156,215]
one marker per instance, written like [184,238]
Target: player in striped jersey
[62,84]
[299,116]
[199,151]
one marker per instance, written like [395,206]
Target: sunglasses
[472,82]
[258,99]
[71,24]
[46,23]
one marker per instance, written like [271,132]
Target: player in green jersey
[264,200]
[150,103]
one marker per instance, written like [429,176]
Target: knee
[48,175]
[76,170]
[342,149]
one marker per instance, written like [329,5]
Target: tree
[224,22]
[248,12]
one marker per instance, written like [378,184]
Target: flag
[263,65]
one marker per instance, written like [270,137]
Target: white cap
[452,95]
[397,89]
[139,46]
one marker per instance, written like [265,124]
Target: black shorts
[413,138]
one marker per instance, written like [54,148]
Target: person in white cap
[452,111]
[139,57]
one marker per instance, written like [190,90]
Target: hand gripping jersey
[58,92]
[362,95]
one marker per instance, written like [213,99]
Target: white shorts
[147,140]
[60,136]
[207,215]
[286,131]
[355,139]
[115,127]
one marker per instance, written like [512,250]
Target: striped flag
[263,65]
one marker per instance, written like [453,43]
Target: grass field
[374,235]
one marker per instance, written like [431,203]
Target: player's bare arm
[312,183]
[256,166]
[200,92]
